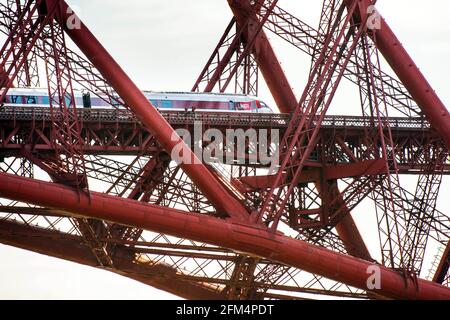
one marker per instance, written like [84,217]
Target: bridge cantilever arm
[237,236]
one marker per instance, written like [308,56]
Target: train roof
[31,91]
[196,93]
[199,95]
[156,94]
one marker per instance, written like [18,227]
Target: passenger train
[162,100]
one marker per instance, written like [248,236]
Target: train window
[68,99]
[15,99]
[244,106]
[79,101]
[154,103]
[231,105]
[44,100]
[95,102]
[166,104]
[115,102]
[30,99]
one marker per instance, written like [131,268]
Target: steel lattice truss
[116,200]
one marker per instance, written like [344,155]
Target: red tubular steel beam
[222,200]
[285,99]
[442,269]
[411,77]
[346,228]
[311,174]
[419,88]
[245,238]
[68,247]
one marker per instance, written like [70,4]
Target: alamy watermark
[232,147]
[374,280]
[73,20]
[374,18]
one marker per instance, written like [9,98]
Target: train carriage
[162,100]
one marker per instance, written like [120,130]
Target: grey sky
[163,45]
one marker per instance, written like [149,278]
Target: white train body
[39,97]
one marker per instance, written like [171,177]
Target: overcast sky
[163,45]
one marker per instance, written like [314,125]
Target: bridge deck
[342,139]
[272,120]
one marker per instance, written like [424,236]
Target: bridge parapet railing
[189,117]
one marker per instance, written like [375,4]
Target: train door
[87,100]
[15,99]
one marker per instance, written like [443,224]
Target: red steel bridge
[113,198]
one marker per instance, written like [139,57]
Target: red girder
[339,171]
[283,94]
[346,228]
[67,247]
[217,67]
[297,143]
[28,76]
[267,60]
[410,75]
[244,238]
[443,266]
[66,136]
[413,79]
[221,198]
[21,39]
[341,155]
[388,36]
